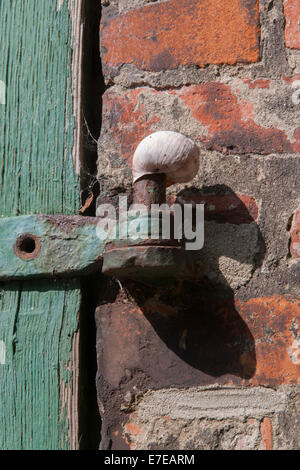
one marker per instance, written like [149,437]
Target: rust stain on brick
[295,235]
[183,32]
[266,434]
[292,29]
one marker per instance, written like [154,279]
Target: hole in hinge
[27,246]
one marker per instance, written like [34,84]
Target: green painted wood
[38,320]
[53,246]
[38,324]
[37,123]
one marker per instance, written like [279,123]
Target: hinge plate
[41,246]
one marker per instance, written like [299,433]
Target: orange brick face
[292,28]
[274,323]
[230,122]
[183,32]
[295,235]
[266,433]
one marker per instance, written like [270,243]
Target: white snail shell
[166,152]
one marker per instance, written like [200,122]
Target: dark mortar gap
[89,417]
[93,89]
[288,228]
[289,223]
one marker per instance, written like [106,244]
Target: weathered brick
[164,433]
[231,121]
[225,208]
[239,117]
[214,418]
[127,120]
[295,235]
[156,343]
[291,79]
[292,27]
[255,342]
[182,32]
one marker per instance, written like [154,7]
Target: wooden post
[39,157]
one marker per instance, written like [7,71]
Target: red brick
[268,328]
[273,322]
[227,208]
[183,32]
[291,79]
[295,235]
[228,118]
[297,134]
[292,27]
[230,122]
[128,121]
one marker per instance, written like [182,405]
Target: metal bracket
[47,246]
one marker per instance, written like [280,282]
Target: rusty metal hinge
[48,246]
[36,246]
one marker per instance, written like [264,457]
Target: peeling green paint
[37,324]
[36,124]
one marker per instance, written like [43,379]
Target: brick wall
[213,364]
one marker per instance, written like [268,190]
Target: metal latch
[42,246]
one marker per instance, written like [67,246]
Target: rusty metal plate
[151,262]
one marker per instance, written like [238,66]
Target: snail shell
[166,152]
